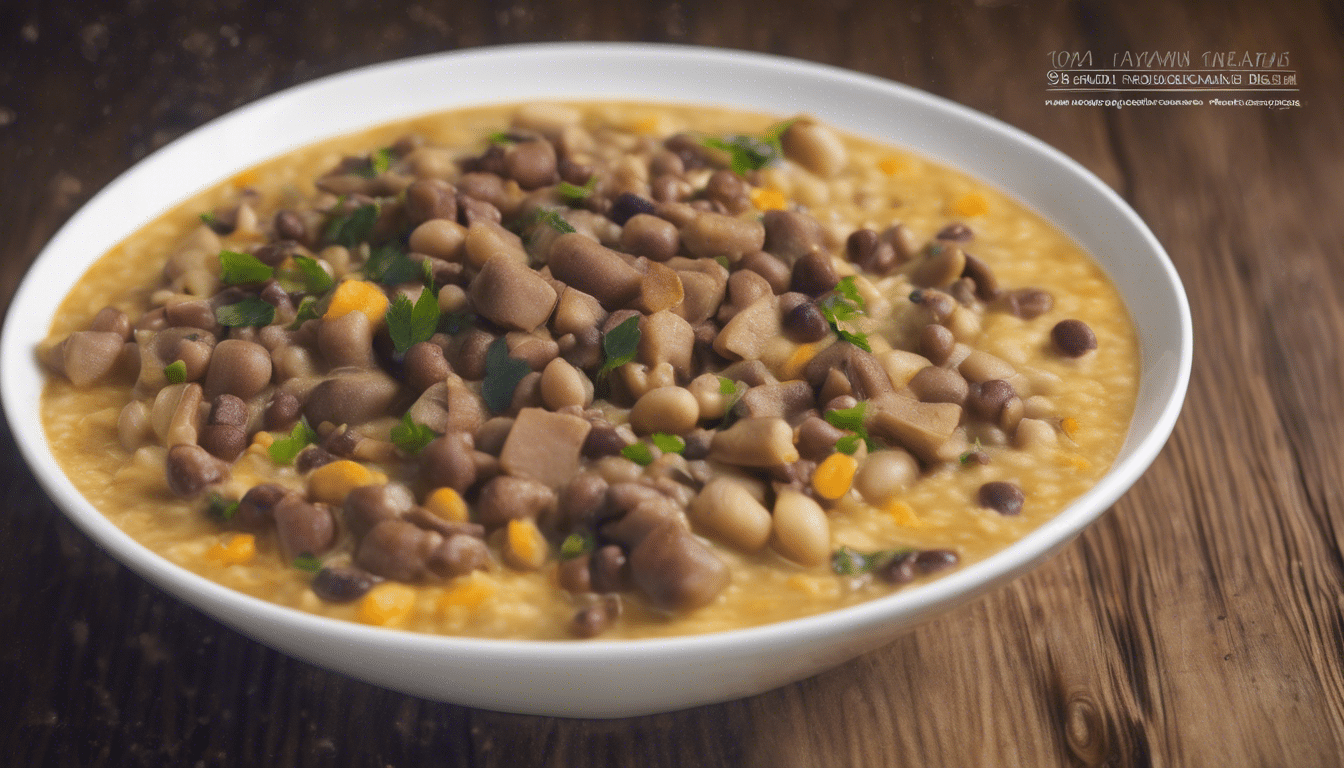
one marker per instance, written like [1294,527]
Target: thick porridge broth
[1089,399]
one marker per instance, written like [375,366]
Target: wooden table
[1198,623]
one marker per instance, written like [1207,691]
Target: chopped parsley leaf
[354,227]
[638,453]
[576,544]
[250,311]
[239,268]
[502,375]
[620,345]
[409,324]
[412,437]
[668,443]
[284,450]
[176,373]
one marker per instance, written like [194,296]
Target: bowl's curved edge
[734,675]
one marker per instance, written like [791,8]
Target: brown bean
[447,462]
[628,205]
[191,468]
[241,368]
[229,409]
[871,253]
[425,366]
[369,505]
[1002,497]
[1073,338]
[986,400]
[396,549]
[255,509]
[582,502]
[289,226]
[650,236]
[430,199]
[281,412]
[710,235]
[986,285]
[311,458]
[939,385]
[303,528]
[352,398]
[223,440]
[609,570]
[814,274]
[112,320]
[513,498]
[774,270]
[955,232]
[531,163]
[573,575]
[790,235]
[1029,303]
[341,583]
[675,570]
[805,323]
[936,343]
[458,555]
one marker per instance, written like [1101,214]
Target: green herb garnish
[353,228]
[848,561]
[574,193]
[749,153]
[409,324]
[575,545]
[315,278]
[390,265]
[427,275]
[502,375]
[412,437]
[620,345]
[554,220]
[638,453]
[210,219]
[965,458]
[851,419]
[307,563]
[284,450]
[668,443]
[238,268]
[221,508]
[501,138]
[176,373]
[307,311]
[381,160]
[734,391]
[843,305]
[250,311]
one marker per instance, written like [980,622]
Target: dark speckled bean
[1004,498]
[1073,338]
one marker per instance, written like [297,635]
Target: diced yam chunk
[512,294]
[746,336]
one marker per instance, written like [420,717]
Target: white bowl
[611,678]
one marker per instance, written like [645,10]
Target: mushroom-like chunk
[191,469]
[369,505]
[750,331]
[790,235]
[346,341]
[923,428]
[711,235]
[86,356]
[763,442]
[449,406]
[675,570]
[513,498]
[786,400]
[237,367]
[303,528]
[544,446]
[511,294]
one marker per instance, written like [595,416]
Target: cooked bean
[223,440]
[981,366]
[425,365]
[133,427]
[986,285]
[595,270]
[942,265]
[441,238]
[900,569]
[513,498]
[573,575]
[341,583]
[776,273]
[815,147]
[191,314]
[290,226]
[1034,433]
[814,274]
[727,509]
[665,409]
[447,462]
[458,555]
[939,385]
[512,294]
[884,474]
[395,549]
[229,409]
[369,505]
[191,469]
[936,342]
[645,515]
[87,356]
[241,368]
[562,384]
[955,232]
[764,442]
[582,502]
[802,533]
[1073,338]
[1012,413]
[281,412]
[604,440]
[1002,497]
[817,438]
[790,235]
[934,560]
[986,399]
[1029,303]
[303,528]
[710,235]
[347,341]
[352,398]
[256,508]
[311,458]
[609,569]
[871,253]
[471,211]
[675,570]
[727,188]
[647,235]
[628,205]
[531,163]
[595,619]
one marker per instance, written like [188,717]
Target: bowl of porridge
[595,400]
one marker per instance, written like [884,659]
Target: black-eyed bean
[303,528]
[1002,497]
[871,253]
[985,400]
[1028,303]
[342,583]
[1073,338]
[190,468]
[627,205]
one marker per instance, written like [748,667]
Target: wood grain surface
[1199,623]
